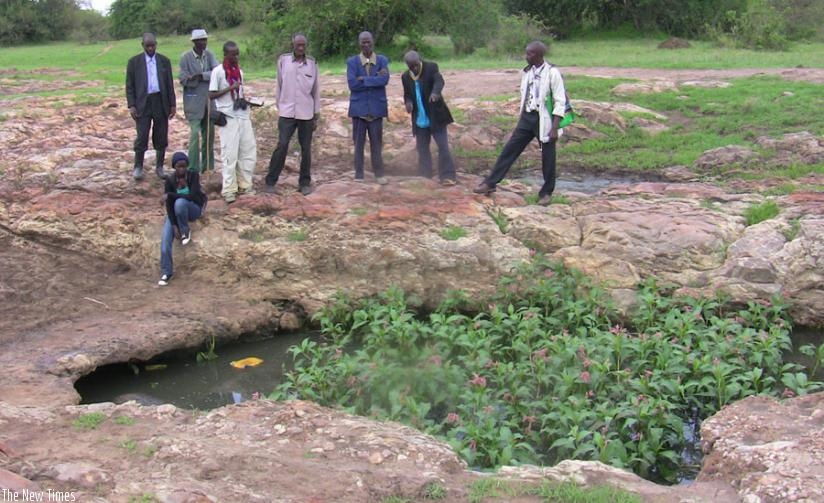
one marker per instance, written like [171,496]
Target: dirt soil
[53,301]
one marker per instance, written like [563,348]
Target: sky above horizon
[101,5]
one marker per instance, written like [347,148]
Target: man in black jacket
[150,95]
[422,87]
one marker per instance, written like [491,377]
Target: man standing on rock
[195,73]
[298,98]
[368,74]
[150,95]
[422,87]
[237,138]
[538,80]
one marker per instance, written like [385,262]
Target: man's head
[149,43]
[365,41]
[231,52]
[180,162]
[199,40]
[535,51]
[413,61]
[299,45]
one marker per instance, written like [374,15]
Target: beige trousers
[238,150]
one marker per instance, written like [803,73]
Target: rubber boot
[161,158]
[137,174]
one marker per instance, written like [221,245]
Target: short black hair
[229,45]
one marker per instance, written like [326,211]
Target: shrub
[515,32]
[546,371]
[757,213]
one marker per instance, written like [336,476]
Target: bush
[546,371]
[89,26]
[515,32]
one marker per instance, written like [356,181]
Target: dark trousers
[446,166]
[360,127]
[525,131]
[286,129]
[156,119]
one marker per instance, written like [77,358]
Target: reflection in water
[184,382]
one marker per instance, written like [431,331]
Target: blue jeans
[185,211]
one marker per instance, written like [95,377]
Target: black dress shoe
[137,174]
[306,190]
[159,171]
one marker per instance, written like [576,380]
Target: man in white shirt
[539,80]
[298,97]
[237,138]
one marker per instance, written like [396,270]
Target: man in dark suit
[422,87]
[150,95]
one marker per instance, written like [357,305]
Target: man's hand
[434,97]
[315,120]
[133,112]
[408,107]
[383,72]
[163,198]
[172,112]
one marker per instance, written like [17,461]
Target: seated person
[185,201]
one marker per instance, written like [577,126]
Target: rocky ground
[79,270]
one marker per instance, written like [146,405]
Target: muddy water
[183,381]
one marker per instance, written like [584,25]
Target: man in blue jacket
[368,74]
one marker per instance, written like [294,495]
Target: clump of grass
[89,421]
[791,231]
[497,215]
[129,445]
[124,420]
[559,199]
[757,213]
[298,235]
[209,354]
[434,491]
[453,233]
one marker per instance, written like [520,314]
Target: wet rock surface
[80,246]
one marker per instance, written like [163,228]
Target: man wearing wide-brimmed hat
[195,71]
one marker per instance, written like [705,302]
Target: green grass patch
[124,420]
[434,491]
[499,217]
[492,489]
[129,445]
[758,213]
[453,233]
[791,231]
[298,235]
[89,421]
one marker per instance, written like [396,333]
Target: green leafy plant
[545,370]
[453,233]
[791,231]
[129,445]
[209,354]
[758,213]
[89,421]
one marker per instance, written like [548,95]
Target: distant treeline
[498,25]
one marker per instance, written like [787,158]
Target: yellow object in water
[246,362]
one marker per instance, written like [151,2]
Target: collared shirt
[203,60]
[532,102]
[298,92]
[151,74]
[225,103]
[369,63]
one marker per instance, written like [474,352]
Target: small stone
[328,446]
[375,458]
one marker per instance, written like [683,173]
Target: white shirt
[225,103]
[151,74]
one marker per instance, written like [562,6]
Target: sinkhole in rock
[181,378]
